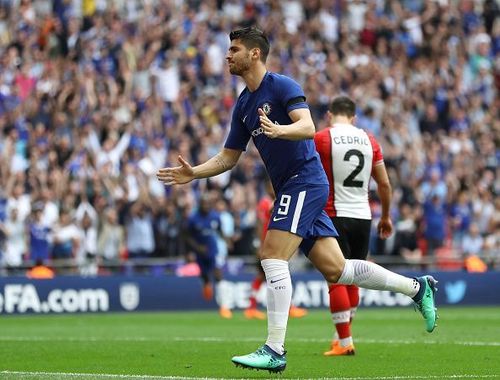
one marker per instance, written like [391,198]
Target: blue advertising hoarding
[148,293]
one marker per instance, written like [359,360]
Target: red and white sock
[340,308]
[353,292]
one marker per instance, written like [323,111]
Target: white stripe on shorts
[298,211]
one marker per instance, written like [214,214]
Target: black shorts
[354,236]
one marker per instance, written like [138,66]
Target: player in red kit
[350,157]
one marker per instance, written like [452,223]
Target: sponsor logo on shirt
[266,107]
[257,131]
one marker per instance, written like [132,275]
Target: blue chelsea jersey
[204,228]
[277,95]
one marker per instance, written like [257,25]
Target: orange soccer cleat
[337,350]
[334,344]
[225,313]
[253,313]
[208,292]
[297,312]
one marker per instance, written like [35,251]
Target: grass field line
[411,316]
[37,374]
[228,340]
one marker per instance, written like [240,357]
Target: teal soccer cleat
[262,359]
[424,301]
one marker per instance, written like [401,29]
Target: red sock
[340,308]
[353,293]
[256,283]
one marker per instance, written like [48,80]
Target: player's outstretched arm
[184,173]
[302,127]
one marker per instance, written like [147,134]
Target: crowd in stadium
[96,96]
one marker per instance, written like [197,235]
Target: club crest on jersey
[266,107]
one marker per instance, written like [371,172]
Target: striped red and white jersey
[348,155]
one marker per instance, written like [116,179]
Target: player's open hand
[176,175]
[271,129]
[384,228]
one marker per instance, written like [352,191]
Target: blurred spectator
[168,225]
[406,231]
[87,253]
[15,241]
[491,253]
[369,122]
[472,243]
[434,220]
[19,200]
[139,230]
[485,209]
[111,238]
[461,216]
[50,213]
[67,238]
[40,236]
[434,186]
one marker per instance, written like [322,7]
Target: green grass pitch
[390,344]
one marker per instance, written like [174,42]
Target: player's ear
[329,117]
[256,53]
[354,119]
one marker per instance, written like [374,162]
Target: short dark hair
[252,37]
[343,105]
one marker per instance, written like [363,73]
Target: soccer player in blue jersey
[272,110]
[204,229]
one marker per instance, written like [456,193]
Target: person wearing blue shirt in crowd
[39,236]
[204,229]
[435,223]
[272,110]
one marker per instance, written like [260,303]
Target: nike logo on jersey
[274,281]
[244,118]
[275,219]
